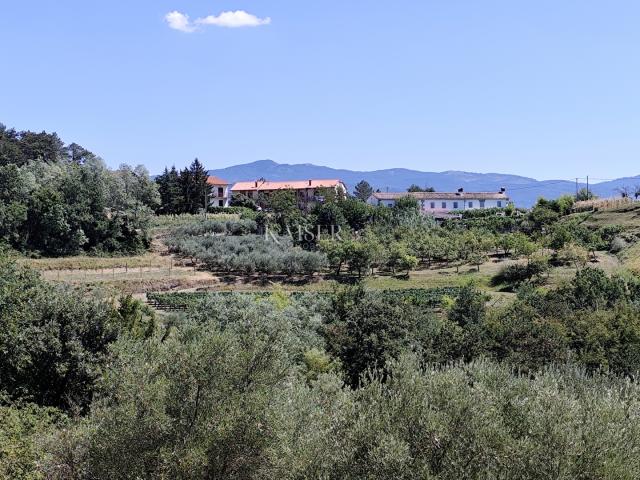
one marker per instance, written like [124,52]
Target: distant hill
[523,191]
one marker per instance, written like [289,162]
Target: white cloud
[239,18]
[236,19]
[179,21]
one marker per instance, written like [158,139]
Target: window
[220,191]
[470,204]
[221,203]
[433,205]
[499,203]
[455,205]
[481,203]
[444,204]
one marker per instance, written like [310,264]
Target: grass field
[148,260]
[627,217]
[631,258]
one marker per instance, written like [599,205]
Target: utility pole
[576,188]
[587,187]
[206,203]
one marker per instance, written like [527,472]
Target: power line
[541,186]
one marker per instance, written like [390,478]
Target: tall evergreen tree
[201,190]
[363,190]
[186,191]
[174,191]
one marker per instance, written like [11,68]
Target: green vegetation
[63,200]
[429,298]
[519,360]
[357,386]
[182,192]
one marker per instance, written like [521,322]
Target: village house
[443,203]
[308,192]
[220,192]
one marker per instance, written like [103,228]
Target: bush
[53,340]
[23,428]
[517,274]
[618,244]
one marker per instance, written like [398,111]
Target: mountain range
[523,191]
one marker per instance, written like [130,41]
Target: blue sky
[548,89]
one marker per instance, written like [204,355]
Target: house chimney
[309,182]
[256,184]
[460,190]
[502,190]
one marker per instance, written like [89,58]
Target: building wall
[305,196]
[466,204]
[447,205]
[220,196]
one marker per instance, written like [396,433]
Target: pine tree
[363,190]
[163,189]
[186,192]
[201,190]
[174,192]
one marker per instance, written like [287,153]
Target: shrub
[517,274]
[618,244]
[53,339]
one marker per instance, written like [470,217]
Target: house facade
[443,203]
[220,192]
[308,192]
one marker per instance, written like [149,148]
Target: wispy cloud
[236,19]
[179,21]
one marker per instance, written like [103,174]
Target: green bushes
[420,297]
[195,415]
[518,274]
[358,384]
[23,430]
[62,207]
[54,340]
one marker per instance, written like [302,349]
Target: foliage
[585,194]
[363,190]
[241,200]
[58,200]
[248,254]
[186,191]
[416,188]
[53,339]
[23,428]
[515,275]
[573,254]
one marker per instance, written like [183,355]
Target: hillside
[523,190]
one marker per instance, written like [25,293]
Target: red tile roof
[284,185]
[211,180]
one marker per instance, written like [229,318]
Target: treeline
[184,191]
[352,384]
[58,199]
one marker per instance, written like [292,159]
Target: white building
[442,203]
[220,192]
